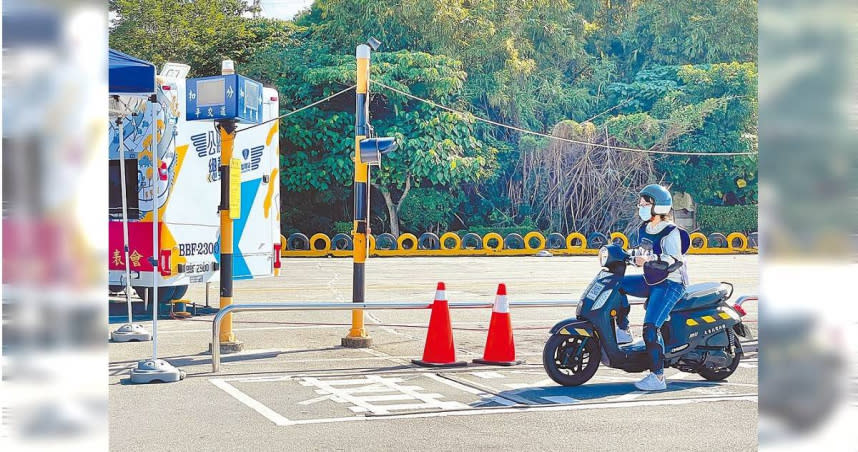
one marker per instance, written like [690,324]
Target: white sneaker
[652,382]
[624,337]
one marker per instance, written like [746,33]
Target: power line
[300,109]
[544,135]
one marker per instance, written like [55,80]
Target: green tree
[695,108]
[676,32]
[672,75]
[436,148]
[198,33]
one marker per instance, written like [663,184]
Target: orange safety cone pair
[439,350]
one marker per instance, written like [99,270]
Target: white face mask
[645,212]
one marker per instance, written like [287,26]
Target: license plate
[595,290]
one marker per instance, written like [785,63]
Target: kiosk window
[252,91]
[210,92]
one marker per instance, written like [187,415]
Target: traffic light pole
[357,337]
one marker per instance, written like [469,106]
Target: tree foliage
[676,75]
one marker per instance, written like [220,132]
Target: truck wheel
[180,292]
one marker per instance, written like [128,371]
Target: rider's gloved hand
[640,256]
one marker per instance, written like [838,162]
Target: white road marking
[494,399]
[386,356]
[395,397]
[270,414]
[349,390]
[627,397]
[389,329]
[487,374]
[459,386]
[520,386]
[317,399]
[678,376]
[486,396]
[258,379]
[534,386]
[559,399]
[282,421]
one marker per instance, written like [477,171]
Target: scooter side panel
[689,329]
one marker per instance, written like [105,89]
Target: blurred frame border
[808,137]
[54,365]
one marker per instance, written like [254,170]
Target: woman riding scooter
[663,281]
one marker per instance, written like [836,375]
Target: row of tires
[409,244]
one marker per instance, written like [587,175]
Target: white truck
[188,193]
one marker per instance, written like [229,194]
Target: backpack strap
[642,231]
[665,232]
[684,237]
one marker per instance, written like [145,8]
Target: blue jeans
[662,299]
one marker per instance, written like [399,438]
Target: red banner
[139,246]
[33,250]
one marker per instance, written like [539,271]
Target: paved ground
[295,388]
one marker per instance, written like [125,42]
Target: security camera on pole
[368,151]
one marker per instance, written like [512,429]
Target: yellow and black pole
[368,152]
[230,206]
[357,337]
[230,197]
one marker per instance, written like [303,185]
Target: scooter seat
[703,295]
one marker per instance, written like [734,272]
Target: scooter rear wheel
[720,374]
[571,360]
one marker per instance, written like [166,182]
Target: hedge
[503,231]
[343,227]
[727,219]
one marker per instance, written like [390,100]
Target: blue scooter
[700,336]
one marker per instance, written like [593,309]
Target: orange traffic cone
[439,350]
[500,347]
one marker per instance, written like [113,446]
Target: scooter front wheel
[571,360]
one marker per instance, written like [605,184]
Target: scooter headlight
[603,256]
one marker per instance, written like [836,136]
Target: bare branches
[569,187]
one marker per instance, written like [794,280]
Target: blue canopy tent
[134,80]
[130,76]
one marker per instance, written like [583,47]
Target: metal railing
[216,322]
[297,306]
